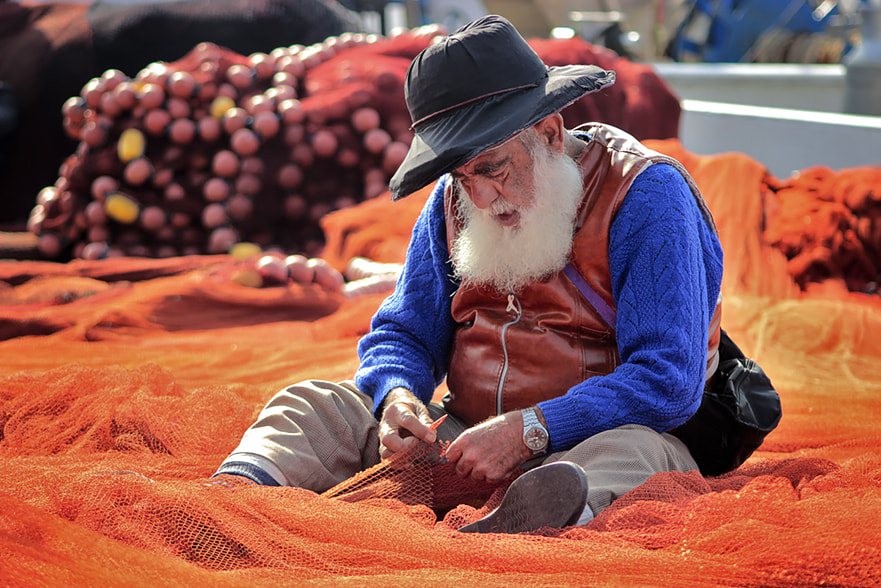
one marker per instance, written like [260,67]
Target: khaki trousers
[317,434]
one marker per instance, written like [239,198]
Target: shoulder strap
[608,313]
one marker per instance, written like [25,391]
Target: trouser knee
[620,459]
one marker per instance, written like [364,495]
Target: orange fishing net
[125,382]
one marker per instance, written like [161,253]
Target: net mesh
[125,382]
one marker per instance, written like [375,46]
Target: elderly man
[565,283]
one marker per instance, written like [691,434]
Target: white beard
[507,258]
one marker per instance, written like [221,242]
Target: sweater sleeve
[410,337]
[666,268]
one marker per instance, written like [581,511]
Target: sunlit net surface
[126,382]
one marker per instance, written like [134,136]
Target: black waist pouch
[739,408]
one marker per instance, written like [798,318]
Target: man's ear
[552,131]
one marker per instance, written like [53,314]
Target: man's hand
[405,421]
[491,450]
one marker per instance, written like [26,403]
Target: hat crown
[481,59]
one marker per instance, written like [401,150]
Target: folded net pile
[218,148]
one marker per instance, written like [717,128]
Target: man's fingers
[405,421]
[418,428]
[404,417]
[479,459]
[393,443]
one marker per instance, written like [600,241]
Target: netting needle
[437,423]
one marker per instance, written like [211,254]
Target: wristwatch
[535,436]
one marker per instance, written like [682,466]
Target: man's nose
[483,193]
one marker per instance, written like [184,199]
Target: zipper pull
[511,306]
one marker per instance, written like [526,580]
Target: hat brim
[452,139]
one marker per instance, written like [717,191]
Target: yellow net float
[121,208]
[131,145]
[220,105]
[244,250]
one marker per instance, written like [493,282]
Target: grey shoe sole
[552,495]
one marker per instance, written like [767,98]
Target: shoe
[552,495]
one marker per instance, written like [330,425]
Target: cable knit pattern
[666,269]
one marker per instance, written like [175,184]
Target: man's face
[500,181]
[517,206]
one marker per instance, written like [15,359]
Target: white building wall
[788,117]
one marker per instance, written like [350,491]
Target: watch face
[536,438]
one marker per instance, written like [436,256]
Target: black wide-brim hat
[475,89]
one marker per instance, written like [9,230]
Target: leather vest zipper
[513,306]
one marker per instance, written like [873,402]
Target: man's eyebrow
[491,166]
[484,168]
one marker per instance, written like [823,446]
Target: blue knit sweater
[666,269]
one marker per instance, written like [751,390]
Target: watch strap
[530,422]
[530,419]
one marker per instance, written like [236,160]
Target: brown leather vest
[511,352]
